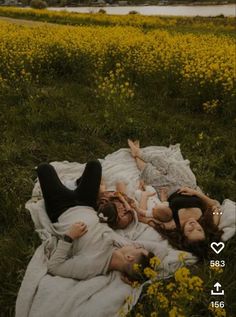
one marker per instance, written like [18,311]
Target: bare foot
[135,151]
[137,143]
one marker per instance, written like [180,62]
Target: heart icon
[217,247]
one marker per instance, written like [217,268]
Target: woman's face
[125,217]
[193,231]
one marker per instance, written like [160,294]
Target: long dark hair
[179,241]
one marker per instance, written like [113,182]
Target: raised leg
[89,183]
[135,152]
[58,198]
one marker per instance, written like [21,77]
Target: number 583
[217,263]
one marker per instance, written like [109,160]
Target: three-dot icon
[217,211]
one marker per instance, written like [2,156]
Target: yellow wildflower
[217,269]
[182,256]
[175,312]
[154,262]
[150,273]
[136,267]
[170,287]
[152,289]
[182,274]
[218,312]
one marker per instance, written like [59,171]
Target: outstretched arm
[142,209]
[144,199]
[208,202]
[152,221]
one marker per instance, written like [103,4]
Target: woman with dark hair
[178,239]
[194,216]
[192,228]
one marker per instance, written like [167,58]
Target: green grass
[63,120]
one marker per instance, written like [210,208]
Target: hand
[124,201]
[187,191]
[133,205]
[77,230]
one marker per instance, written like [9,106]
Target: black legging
[58,198]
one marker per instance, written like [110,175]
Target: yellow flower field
[190,65]
[137,20]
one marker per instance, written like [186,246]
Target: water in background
[180,10]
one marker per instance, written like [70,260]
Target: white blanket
[44,295]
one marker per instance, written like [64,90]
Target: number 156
[218,304]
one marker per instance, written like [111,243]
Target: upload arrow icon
[217,290]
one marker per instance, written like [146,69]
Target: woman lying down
[183,215]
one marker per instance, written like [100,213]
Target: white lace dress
[163,170]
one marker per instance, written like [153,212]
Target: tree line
[131,2]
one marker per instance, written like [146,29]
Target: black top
[178,201]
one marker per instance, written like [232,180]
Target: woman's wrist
[196,193]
